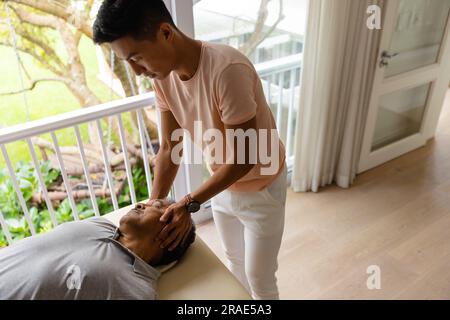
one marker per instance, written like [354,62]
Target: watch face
[193,206]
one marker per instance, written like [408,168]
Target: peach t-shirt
[225,90]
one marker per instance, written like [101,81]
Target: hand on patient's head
[142,223]
[169,256]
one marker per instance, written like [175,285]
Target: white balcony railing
[73,120]
[281,82]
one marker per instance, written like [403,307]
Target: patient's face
[143,221]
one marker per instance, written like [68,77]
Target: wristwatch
[191,204]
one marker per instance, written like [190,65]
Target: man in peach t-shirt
[213,93]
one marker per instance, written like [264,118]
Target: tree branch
[33,84]
[70,41]
[34,19]
[259,25]
[49,52]
[40,21]
[35,56]
[88,8]
[257,35]
[87,11]
[280,18]
[60,11]
[25,71]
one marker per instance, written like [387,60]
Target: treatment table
[199,275]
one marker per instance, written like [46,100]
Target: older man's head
[139,229]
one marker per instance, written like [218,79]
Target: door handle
[385,57]
[385,54]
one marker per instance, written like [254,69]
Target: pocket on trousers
[277,190]
[226,201]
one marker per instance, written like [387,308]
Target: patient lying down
[90,259]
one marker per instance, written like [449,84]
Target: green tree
[38,24]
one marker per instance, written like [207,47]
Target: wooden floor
[396,216]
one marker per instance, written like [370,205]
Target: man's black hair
[137,18]
[179,251]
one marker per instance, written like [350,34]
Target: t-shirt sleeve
[161,102]
[236,91]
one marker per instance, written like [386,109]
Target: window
[271,34]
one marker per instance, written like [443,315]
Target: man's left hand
[179,224]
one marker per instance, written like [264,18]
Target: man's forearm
[165,172]
[224,177]
[228,173]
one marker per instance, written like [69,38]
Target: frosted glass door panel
[418,34]
[400,115]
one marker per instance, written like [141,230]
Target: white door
[410,82]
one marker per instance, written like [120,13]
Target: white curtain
[338,70]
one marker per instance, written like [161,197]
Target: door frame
[437,74]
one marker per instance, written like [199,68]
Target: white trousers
[250,225]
